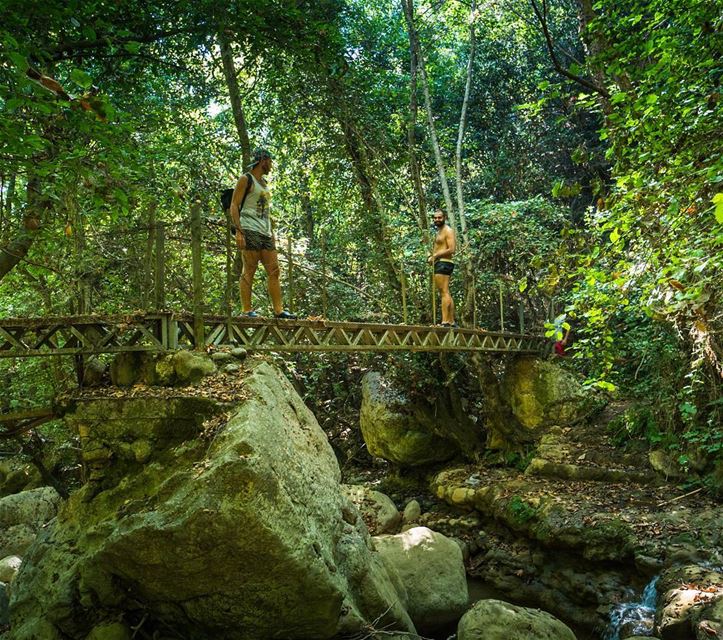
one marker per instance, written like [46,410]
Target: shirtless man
[443,252]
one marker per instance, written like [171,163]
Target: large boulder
[542,394]
[411,433]
[497,620]
[22,515]
[240,531]
[431,569]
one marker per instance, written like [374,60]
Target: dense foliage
[589,167]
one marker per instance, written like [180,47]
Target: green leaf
[81,78]
[132,47]
[19,61]
[614,236]
[718,202]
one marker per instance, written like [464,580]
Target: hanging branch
[542,17]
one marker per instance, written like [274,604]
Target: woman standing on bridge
[250,209]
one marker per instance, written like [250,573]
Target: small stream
[636,618]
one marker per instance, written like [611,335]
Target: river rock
[662,462]
[22,515]
[497,620]
[412,512]
[243,536]
[9,567]
[380,514]
[410,433]
[542,394]
[431,568]
[708,621]
[689,595]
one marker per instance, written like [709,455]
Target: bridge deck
[87,335]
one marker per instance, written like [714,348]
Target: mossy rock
[191,367]
[408,434]
[542,394]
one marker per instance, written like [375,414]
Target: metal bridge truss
[87,335]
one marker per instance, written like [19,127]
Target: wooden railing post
[159,290]
[199,336]
[502,310]
[148,263]
[228,293]
[324,296]
[290,250]
[521,315]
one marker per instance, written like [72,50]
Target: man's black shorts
[256,241]
[443,268]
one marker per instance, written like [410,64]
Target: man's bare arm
[238,193]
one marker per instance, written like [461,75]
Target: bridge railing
[158,332]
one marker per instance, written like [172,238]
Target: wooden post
[521,316]
[228,293]
[474,302]
[434,297]
[148,263]
[198,330]
[159,291]
[403,282]
[289,249]
[324,300]
[502,310]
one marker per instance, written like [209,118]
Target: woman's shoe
[286,315]
[249,314]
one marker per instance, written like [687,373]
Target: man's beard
[438,224]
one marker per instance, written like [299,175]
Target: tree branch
[68,49]
[542,17]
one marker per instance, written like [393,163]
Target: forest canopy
[575,146]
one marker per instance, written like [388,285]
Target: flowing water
[636,618]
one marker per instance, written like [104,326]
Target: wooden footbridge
[166,331]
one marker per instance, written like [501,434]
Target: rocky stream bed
[218,509]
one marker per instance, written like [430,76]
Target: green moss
[521,512]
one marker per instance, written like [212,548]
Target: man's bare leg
[250,262]
[270,261]
[447,304]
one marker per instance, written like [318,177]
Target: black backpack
[227,196]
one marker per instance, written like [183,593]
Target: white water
[637,617]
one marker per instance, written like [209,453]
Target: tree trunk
[231,75]
[376,225]
[17,247]
[415,172]
[408,7]
[468,274]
